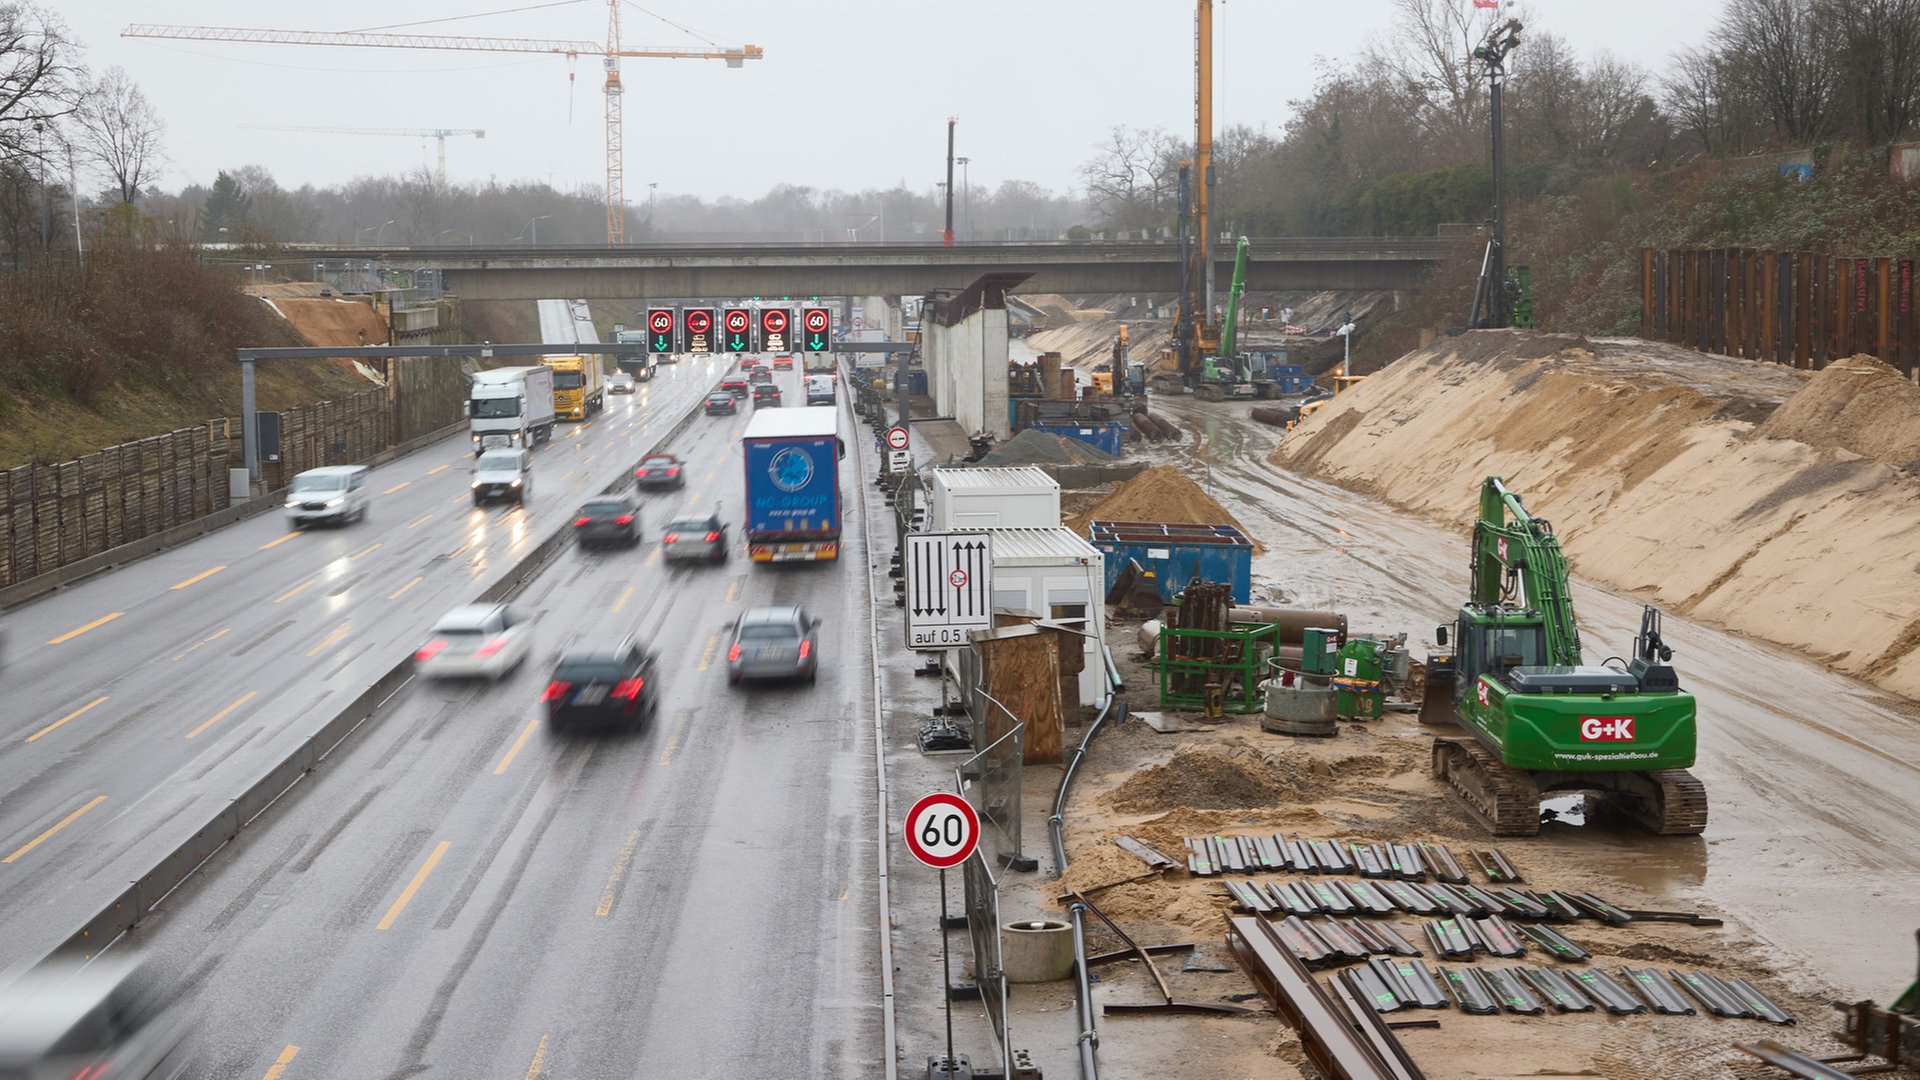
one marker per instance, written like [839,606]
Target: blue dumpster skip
[1102,435]
[1177,554]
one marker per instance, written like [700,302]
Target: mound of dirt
[1162,494]
[1036,447]
[332,322]
[1235,775]
[1859,404]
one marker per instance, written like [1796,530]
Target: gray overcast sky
[852,94]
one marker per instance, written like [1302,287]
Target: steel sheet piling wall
[1799,308]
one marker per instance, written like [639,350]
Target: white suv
[333,493]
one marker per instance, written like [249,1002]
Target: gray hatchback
[773,643]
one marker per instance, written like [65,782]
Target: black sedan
[659,471]
[602,686]
[611,519]
[766,395]
[720,403]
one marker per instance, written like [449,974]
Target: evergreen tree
[226,207]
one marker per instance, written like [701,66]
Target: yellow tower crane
[437,134]
[611,52]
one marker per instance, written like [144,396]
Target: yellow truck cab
[578,386]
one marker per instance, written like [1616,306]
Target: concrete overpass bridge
[1150,269]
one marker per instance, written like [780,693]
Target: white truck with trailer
[510,406]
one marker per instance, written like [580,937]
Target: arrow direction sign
[949,588]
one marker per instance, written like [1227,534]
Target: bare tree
[1776,59]
[1877,78]
[1431,57]
[120,132]
[1132,181]
[39,78]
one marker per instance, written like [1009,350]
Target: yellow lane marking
[201,576]
[622,602]
[280,1063]
[420,520]
[222,714]
[464,498]
[842,896]
[64,822]
[331,638]
[514,750]
[652,557]
[430,472]
[566,474]
[619,871]
[356,558]
[282,540]
[588,460]
[673,743]
[707,657]
[67,717]
[733,590]
[711,473]
[413,886]
[538,1068]
[398,486]
[404,588]
[217,634]
[290,592]
[71,634]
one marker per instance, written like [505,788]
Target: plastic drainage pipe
[1089,1039]
[1055,824]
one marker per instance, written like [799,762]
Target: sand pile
[1162,494]
[1858,404]
[1235,775]
[326,322]
[1036,447]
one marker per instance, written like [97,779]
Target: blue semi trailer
[793,484]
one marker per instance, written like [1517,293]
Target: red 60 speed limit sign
[942,830]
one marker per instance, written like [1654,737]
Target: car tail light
[628,689]
[492,647]
[581,522]
[805,648]
[623,519]
[713,538]
[555,691]
[733,654]
[670,538]
[640,472]
[673,471]
[430,650]
[92,1072]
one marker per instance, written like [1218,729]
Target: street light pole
[40,129]
[380,232]
[966,192]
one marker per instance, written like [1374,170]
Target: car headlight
[475,483]
[516,482]
[337,501]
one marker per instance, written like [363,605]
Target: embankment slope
[1777,503]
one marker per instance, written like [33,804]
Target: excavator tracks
[1676,805]
[1506,799]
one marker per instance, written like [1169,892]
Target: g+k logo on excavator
[1606,729]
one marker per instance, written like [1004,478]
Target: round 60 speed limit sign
[942,830]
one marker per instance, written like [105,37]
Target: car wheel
[813,676]
[478,501]
[732,679]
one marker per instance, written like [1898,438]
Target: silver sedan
[773,643]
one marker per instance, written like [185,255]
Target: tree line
[1391,142]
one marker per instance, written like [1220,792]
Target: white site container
[1056,574]
[1020,496]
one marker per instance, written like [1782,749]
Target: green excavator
[1538,719]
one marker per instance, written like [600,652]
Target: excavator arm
[1517,559]
[1230,336]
